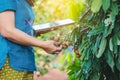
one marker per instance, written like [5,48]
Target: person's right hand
[52,47]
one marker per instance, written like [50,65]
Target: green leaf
[113,0]
[118,63]
[108,29]
[111,44]
[115,48]
[86,66]
[97,30]
[110,59]
[115,9]
[101,48]
[78,73]
[96,44]
[96,5]
[118,41]
[105,4]
[63,58]
[88,53]
[83,55]
[69,57]
[95,76]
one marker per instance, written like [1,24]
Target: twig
[84,30]
[85,14]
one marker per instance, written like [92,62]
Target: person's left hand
[52,47]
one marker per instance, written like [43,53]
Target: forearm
[20,37]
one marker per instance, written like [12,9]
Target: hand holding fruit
[52,47]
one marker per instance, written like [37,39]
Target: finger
[57,52]
[57,43]
[59,48]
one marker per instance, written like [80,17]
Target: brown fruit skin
[73,62]
[57,39]
[52,37]
[64,46]
[78,56]
[76,52]
[60,43]
[75,47]
[61,33]
[68,43]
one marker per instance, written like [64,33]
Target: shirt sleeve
[7,5]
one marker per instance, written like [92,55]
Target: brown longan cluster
[76,51]
[64,44]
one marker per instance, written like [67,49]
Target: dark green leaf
[97,30]
[95,48]
[105,4]
[101,48]
[118,38]
[95,76]
[111,44]
[118,63]
[115,9]
[115,48]
[110,59]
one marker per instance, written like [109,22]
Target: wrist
[42,44]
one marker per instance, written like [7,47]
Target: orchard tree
[96,40]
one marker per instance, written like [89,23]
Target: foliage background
[50,11]
[97,37]
[96,34]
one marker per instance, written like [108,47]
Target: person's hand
[52,47]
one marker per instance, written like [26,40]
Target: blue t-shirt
[21,57]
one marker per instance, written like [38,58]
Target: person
[16,40]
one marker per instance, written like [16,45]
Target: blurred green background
[95,34]
[50,11]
